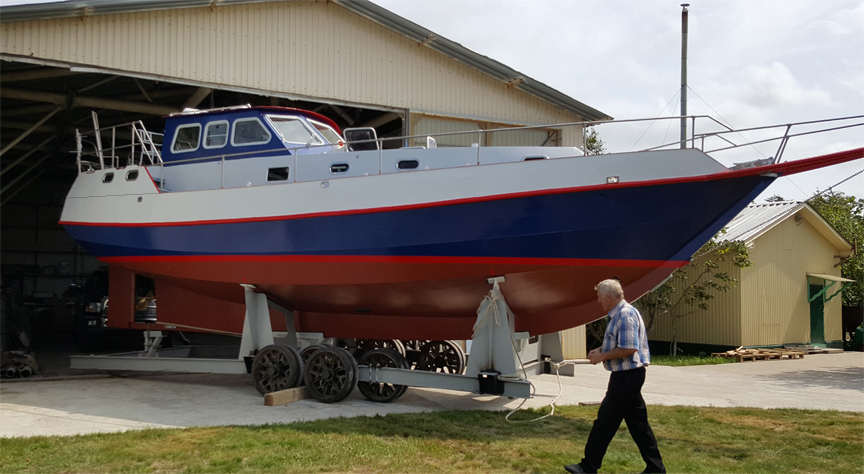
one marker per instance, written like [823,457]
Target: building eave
[364,8]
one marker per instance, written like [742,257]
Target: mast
[684,74]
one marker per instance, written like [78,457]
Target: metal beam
[141,88]
[23,174]
[84,101]
[29,131]
[197,97]
[382,119]
[26,155]
[9,124]
[10,195]
[341,113]
[28,110]
[32,74]
[161,364]
[422,378]
[97,84]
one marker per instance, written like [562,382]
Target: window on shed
[186,138]
[294,131]
[216,134]
[249,131]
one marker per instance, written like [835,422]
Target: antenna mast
[684,74]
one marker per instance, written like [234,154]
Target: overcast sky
[751,63]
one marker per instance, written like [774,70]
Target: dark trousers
[623,401]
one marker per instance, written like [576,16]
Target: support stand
[257,331]
[493,347]
[491,365]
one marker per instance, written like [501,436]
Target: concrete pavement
[91,405]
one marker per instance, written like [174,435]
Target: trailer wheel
[331,374]
[366,345]
[380,391]
[442,356]
[276,367]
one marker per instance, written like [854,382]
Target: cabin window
[293,130]
[249,131]
[327,131]
[108,177]
[131,175]
[277,174]
[216,134]
[408,164]
[186,138]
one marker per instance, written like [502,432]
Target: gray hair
[610,287]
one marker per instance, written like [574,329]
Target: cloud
[774,85]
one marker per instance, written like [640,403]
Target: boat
[363,241]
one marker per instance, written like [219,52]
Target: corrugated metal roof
[756,219]
[364,8]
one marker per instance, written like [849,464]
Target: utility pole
[684,74]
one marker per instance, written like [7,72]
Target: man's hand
[596,356]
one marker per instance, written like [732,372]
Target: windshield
[293,130]
[327,131]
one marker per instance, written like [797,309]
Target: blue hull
[660,222]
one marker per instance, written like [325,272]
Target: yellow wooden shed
[788,296]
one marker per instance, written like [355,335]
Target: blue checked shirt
[627,331]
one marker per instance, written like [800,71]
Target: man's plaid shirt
[626,330]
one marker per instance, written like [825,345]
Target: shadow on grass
[450,425]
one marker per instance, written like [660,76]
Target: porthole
[408,164]
[108,177]
[339,168]
[131,175]
[277,174]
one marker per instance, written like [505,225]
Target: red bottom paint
[430,300]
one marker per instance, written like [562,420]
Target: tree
[775,198]
[694,285]
[593,143]
[846,215]
[690,287]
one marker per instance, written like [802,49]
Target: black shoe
[575,468]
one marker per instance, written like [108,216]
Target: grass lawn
[689,360]
[691,440]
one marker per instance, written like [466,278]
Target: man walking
[625,354]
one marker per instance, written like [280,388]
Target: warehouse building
[788,296]
[353,61]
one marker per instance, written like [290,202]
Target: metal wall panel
[718,325]
[314,49]
[425,125]
[433,125]
[774,291]
[573,343]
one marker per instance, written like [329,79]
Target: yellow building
[787,296]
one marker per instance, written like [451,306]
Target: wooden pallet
[759,354]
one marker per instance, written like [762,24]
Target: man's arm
[625,340]
[596,356]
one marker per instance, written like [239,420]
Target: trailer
[330,368]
